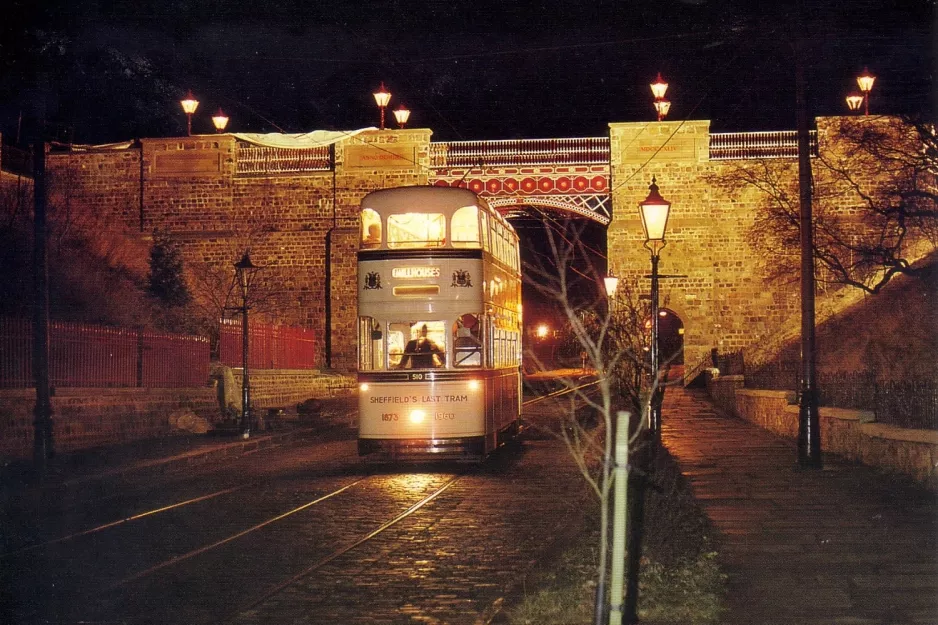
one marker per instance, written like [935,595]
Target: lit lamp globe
[865,82]
[189,105]
[382,97]
[401,114]
[854,102]
[220,120]
[654,210]
[611,283]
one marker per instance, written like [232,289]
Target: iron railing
[259,160]
[909,403]
[520,152]
[754,145]
[269,346]
[84,355]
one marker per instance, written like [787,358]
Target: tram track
[232,543]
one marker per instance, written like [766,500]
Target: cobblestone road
[449,561]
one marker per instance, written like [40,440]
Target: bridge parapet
[755,145]
[520,152]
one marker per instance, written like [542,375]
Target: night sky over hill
[107,70]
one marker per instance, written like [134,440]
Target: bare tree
[610,333]
[875,203]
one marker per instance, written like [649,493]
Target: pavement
[97,469]
[845,545]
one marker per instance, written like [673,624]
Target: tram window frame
[465,223]
[430,223]
[371,356]
[371,231]
[467,341]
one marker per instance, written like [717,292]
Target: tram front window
[417,345]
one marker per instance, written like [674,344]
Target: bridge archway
[670,337]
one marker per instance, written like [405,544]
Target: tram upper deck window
[416,230]
[465,227]
[371,229]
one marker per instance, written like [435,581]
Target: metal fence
[263,160]
[269,346]
[752,145]
[911,403]
[510,152]
[84,355]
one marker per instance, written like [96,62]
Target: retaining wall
[92,417]
[852,434]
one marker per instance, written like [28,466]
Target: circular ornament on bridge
[599,183]
[563,184]
[545,185]
[493,186]
[510,184]
[476,186]
[580,183]
[528,185]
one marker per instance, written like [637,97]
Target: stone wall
[302,227]
[84,417]
[851,434]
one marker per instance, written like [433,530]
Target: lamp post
[189,104]
[658,89]
[654,211]
[245,272]
[220,120]
[865,82]
[382,97]
[401,114]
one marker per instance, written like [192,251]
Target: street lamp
[654,211]
[401,114]
[865,82]
[245,272]
[220,120]
[189,104]
[658,89]
[382,97]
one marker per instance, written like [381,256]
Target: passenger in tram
[420,352]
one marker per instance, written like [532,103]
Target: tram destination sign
[415,273]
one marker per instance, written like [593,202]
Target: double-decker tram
[439,325]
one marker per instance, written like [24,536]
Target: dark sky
[115,69]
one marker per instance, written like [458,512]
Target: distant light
[659,87]
[662,313]
[854,101]
[189,103]
[382,97]
[542,331]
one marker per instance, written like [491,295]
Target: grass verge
[679,581]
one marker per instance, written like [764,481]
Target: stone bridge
[297,211]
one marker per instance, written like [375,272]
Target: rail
[259,160]
[85,355]
[269,346]
[755,145]
[520,152]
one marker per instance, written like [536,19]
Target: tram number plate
[420,376]
[389,416]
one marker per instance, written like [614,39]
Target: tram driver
[421,352]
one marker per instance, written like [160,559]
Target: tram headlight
[417,416]
[363,387]
[474,385]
